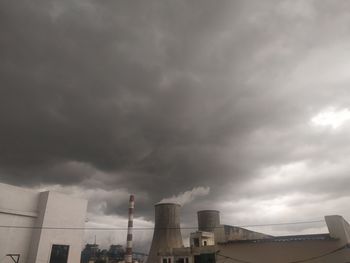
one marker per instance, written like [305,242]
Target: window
[205,258]
[59,254]
[166,260]
[205,243]
[196,242]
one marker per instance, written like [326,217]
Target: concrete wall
[226,232]
[65,212]
[18,207]
[284,252]
[293,250]
[338,228]
[24,208]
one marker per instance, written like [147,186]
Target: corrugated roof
[283,239]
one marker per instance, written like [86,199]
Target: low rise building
[38,227]
[202,239]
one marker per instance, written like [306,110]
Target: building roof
[320,237]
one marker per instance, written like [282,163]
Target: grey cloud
[164,96]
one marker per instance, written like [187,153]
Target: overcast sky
[240,106]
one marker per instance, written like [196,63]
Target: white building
[40,226]
[202,239]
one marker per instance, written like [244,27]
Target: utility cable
[297,261]
[151,228]
[321,256]
[235,259]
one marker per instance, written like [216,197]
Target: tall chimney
[128,253]
[167,232]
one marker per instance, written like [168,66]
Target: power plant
[214,242]
[167,232]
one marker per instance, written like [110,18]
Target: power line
[235,259]
[151,228]
[321,256]
[298,261]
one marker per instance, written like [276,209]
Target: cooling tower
[167,232]
[208,220]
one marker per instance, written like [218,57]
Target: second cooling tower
[167,232]
[208,220]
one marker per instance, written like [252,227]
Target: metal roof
[319,237]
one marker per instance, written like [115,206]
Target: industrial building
[214,242]
[91,254]
[40,227]
[115,254]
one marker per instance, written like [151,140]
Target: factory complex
[49,227]
[214,242]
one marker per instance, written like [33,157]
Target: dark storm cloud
[163,96]
[80,85]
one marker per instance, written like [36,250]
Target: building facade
[37,227]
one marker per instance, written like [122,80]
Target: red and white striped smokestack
[128,253]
